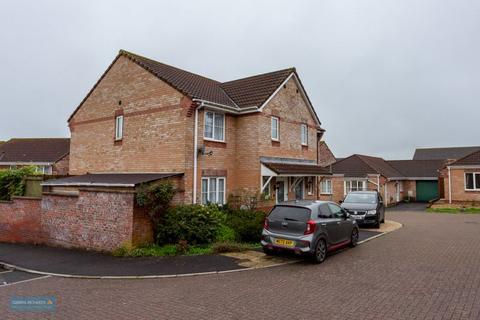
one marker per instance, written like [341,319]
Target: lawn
[454,210]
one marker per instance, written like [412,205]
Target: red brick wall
[92,220]
[20,221]
[457,180]
[325,155]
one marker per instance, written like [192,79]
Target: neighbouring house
[48,155]
[461,180]
[256,137]
[396,180]
[448,155]
[361,172]
[420,179]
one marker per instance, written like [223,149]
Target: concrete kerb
[14,267]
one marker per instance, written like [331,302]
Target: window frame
[217,190]
[214,116]
[277,128]
[304,134]
[329,191]
[474,180]
[119,127]
[347,190]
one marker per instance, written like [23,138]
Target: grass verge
[454,210]
[176,250]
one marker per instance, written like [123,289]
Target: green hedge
[12,182]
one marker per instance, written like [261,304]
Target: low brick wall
[93,220]
[20,220]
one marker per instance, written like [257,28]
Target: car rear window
[294,213]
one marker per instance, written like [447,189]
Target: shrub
[247,224]
[195,224]
[226,234]
[156,197]
[12,182]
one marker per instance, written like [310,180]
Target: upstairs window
[472,181]
[43,169]
[275,129]
[304,134]
[119,128]
[214,126]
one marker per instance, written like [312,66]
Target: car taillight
[265,224]
[310,227]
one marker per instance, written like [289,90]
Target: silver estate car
[312,228]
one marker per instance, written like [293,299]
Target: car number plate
[284,242]
[357,217]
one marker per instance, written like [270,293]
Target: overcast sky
[385,76]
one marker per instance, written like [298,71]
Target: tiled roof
[250,92]
[292,168]
[472,159]
[254,91]
[47,150]
[453,153]
[361,165]
[417,168]
[186,82]
[110,179]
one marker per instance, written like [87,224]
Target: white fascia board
[26,163]
[275,92]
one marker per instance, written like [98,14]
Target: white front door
[282,190]
[398,191]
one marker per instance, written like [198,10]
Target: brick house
[462,179]
[48,155]
[396,180]
[258,135]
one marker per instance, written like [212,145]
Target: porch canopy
[290,168]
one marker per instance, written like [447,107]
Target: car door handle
[323,224]
[338,222]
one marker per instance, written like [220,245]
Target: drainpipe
[195,154]
[449,186]
[386,193]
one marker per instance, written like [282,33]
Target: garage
[427,190]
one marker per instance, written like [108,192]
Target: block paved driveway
[429,269]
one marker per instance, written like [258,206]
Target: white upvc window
[214,126]
[355,185]
[326,186]
[43,169]
[213,190]
[472,181]
[304,134]
[119,128]
[275,129]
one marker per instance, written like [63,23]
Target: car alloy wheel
[320,251]
[354,238]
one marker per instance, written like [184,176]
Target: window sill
[214,140]
[472,190]
[117,142]
[215,144]
[325,194]
[275,143]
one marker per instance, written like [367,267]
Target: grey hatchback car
[312,228]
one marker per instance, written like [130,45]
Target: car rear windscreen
[290,213]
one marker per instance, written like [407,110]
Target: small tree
[156,198]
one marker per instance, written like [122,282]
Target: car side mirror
[346,215]
[340,201]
